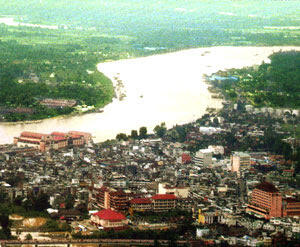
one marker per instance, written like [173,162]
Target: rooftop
[108,214]
[140,201]
[164,197]
[266,186]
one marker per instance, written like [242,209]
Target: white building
[216,149]
[203,157]
[180,192]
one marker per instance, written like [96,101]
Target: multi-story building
[291,207]
[163,202]
[157,203]
[265,201]
[203,157]
[109,198]
[141,204]
[182,192]
[239,161]
[118,201]
[55,140]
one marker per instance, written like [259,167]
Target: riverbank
[162,88]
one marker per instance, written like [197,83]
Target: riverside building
[55,140]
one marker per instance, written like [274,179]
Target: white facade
[181,192]
[203,157]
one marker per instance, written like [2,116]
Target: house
[58,103]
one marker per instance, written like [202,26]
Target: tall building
[203,157]
[109,198]
[265,201]
[239,161]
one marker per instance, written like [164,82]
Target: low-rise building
[108,218]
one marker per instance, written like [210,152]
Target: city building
[163,202]
[239,161]
[203,157]
[141,204]
[181,192]
[108,218]
[109,198]
[55,140]
[291,207]
[265,201]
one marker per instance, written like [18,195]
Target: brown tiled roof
[266,186]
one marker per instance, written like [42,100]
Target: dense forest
[31,72]
[274,84]
[58,60]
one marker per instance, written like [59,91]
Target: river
[161,88]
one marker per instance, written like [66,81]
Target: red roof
[140,201]
[108,214]
[59,138]
[32,135]
[75,136]
[28,141]
[58,134]
[164,197]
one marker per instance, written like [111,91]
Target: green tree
[160,130]
[5,225]
[41,202]
[121,137]
[28,236]
[143,133]
[134,134]
[70,200]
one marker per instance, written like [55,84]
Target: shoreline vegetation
[53,56]
[273,84]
